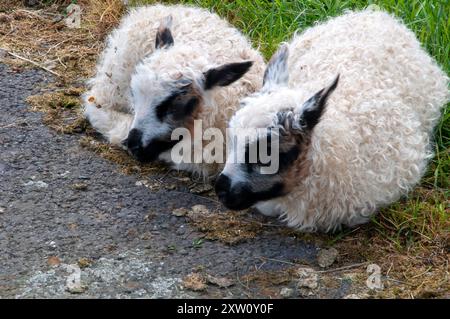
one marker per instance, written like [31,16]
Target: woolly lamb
[371,143]
[164,67]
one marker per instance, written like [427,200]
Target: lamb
[164,67]
[346,149]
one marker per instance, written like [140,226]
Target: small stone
[180,212]
[80,186]
[2,210]
[65,174]
[286,292]
[200,209]
[140,183]
[307,278]
[75,288]
[73,282]
[38,184]
[194,282]
[219,281]
[53,261]
[73,18]
[326,257]
[52,244]
[84,262]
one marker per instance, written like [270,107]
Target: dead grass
[227,227]
[102,15]
[61,110]
[121,158]
[41,36]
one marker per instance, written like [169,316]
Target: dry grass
[41,36]
[61,110]
[228,227]
[120,157]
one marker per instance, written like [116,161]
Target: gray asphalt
[46,224]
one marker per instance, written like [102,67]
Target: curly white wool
[373,142]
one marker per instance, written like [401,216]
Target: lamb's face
[276,124]
[160,105]
[167,94]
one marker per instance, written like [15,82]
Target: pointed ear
[164,37]
[277,72]
[225,74]
[312,110]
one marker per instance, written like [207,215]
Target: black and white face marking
[162,104]
[249,184]
[177,110]
[240,186]
[177,106]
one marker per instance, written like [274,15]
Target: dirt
[120,234]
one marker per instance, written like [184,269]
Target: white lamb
[375,121]
[163,68]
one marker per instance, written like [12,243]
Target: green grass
[424,214]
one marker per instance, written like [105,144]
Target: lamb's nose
[222,186]
[134,140]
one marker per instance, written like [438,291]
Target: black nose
[223,184]
[235,197]
[134,142]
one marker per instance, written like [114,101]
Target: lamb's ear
[225,74]
[277,71]
[164,37]
[312,110]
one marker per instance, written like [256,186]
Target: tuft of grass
[421,217]
[102,16]
[61,109]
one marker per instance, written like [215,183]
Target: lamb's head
[269,138]
[168,91]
